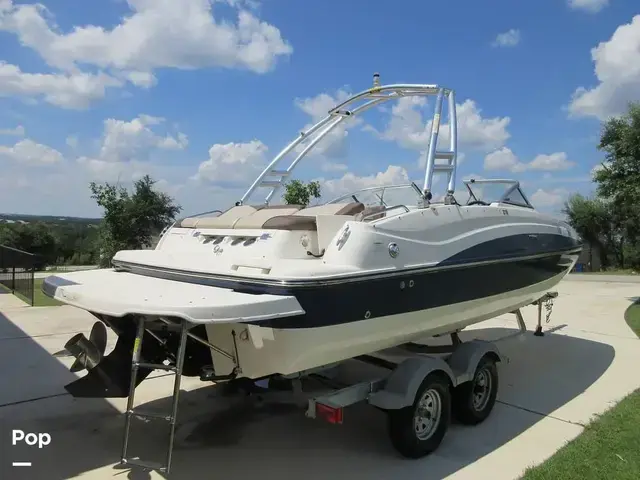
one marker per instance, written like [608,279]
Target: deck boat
[275,289]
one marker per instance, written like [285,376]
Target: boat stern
[119,301]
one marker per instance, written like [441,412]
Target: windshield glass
[489,192]
[387,196]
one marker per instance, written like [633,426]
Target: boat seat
[258,218]
[291,222]
[305,219]
[332,209]
[226,219]
[281,217]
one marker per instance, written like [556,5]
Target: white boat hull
[264,351]
[457,266]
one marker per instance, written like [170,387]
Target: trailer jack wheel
[474,400]
[418,430]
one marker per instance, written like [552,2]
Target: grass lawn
[609,447]
[39,298]
[632,317]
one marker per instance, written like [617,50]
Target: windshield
[497,191]
[387,196]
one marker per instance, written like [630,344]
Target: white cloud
[156,34]
[73,90]
[553,162]
[233,163]
[409,129]
[505,159]
[510,38]
[142,79]
[28,152]
[617,67]
[126,141]
[17,131]
[350,182]
[476,131]
[502,159]
[63,189]
[549,198]
[104,170]
[407,126]
[590,6]
[333,144]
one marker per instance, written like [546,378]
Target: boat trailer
[425,386]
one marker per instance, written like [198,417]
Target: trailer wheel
[473,401]
[417,430]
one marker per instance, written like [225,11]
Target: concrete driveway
[550,388]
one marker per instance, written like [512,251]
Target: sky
[202,94]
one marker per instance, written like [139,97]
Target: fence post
[33,285]
[13,279]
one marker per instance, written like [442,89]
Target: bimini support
[274,178]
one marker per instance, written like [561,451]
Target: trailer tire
[474,400]
[414,435]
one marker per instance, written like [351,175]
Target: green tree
[131,219]
[30,237]
[618,181]
[299,193]
[592,219]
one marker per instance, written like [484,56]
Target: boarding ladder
[273,177]
[176,369]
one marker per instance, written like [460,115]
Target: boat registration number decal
[505,212]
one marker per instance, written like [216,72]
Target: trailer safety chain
[548,306]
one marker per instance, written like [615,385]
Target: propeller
[87,351]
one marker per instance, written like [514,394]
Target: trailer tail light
[330,414]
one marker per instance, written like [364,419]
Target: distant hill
[57,219]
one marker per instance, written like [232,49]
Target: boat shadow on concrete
[32,395]
[232,438]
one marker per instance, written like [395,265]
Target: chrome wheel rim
[481,389]
[427,415]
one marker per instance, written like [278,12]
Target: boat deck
[119,293]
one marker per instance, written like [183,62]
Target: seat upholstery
[258,218]
[226,219]
[306,219]
[281,217]
[291,222]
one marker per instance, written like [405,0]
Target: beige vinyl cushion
[291,222]
[258,218]
[225,220]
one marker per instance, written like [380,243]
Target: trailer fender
[464,360]
[402,384]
